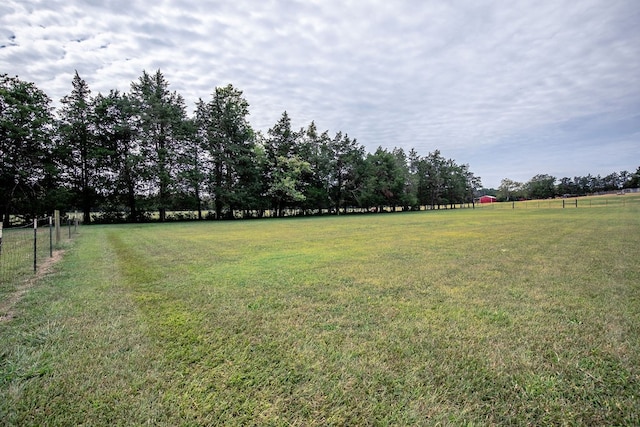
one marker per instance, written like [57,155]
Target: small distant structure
[487,199]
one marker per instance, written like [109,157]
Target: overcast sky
[512,88]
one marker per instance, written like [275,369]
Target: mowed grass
[464,317]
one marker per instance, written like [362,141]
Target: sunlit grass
[484,316]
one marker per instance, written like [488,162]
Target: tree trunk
[86,205]
[131,202]
[199,203]
[218,209]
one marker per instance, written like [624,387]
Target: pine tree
[79,145]
[123,170]
[228,141]
[160,116]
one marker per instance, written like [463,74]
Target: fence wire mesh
[23,249]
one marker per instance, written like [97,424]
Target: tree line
[124,155]
[545,186]
[121,156]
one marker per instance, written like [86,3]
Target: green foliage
[385,179]
[541,187]
[285,184]
[633,180]
[123,173]
[159,126]
[81,155]
[544,186]
[228,165]
[27,167]
[128,156]
[442,181]
[510,190]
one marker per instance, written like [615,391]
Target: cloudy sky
[513,88]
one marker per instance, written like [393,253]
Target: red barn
[487,199]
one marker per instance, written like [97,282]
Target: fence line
[23,249]
[568,203]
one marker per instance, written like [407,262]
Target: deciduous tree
[510,190]
[541,187]
[26,162]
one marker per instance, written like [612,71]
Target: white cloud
[480,80]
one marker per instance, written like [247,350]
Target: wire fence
[568,203]
[23,249]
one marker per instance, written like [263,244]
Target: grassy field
[460,317]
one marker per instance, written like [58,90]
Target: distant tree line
[547,186]
[122,156]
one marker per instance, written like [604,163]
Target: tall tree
[541,186]
[432,180]
[582,184]
[612,182]
[285,186]
[228,140]
[314,148]
[510,190]
[566,187]
[191,171]
[384,180]
[123,170]
[456,190]
[160,116]
[78,143]
[473,184]
[282,140]
[26,162]
[285,167]
[408,198]
[633,180]
[461,184]
[346,158]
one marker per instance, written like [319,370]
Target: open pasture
[462,317]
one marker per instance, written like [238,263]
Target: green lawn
[459,317]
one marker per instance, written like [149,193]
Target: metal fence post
[50,237]
[0,237]
[35,244]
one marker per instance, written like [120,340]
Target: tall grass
[465,317]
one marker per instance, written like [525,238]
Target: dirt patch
[6,306]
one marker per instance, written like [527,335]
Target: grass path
[460,317]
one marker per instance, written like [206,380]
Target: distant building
[487,199]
